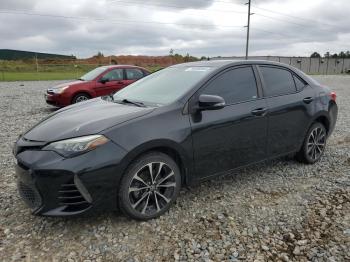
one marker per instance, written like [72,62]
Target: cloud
[198,27]
[17,4]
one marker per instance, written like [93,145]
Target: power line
[228,11]
[27,12]
[290,22]
[117,21]
[173,6]
[279,19]
[270,32]
[218,10]
[293,17]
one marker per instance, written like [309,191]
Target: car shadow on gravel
[50,109]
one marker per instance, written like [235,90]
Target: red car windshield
[93,74]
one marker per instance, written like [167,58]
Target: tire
[141,199]
[80,98]
[314,144]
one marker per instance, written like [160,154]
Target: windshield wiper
[81,79]
[126,101]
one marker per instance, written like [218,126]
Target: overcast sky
[153,27]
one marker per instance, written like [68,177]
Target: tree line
[342,54]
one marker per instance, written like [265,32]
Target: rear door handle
[259,111]
[308,100]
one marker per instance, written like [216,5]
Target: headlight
[60,89]
[75,146]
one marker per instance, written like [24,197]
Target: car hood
[86,118]
[77,82]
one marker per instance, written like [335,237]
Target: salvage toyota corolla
[176,127]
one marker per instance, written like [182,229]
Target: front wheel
[150,186]
[80,98]
[314,144]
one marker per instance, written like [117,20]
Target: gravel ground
[276,211]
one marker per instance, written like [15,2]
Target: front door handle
[259,111]
[308,100]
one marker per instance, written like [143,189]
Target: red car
[101,81]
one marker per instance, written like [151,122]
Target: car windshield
[164,86]
[93,74]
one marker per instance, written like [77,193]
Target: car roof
[225,63]
[122,66]
[222,64]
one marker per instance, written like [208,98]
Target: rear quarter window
[299,83]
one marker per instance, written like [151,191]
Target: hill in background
[9,54]
[99,59]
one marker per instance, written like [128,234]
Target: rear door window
[133,73]
[277,81]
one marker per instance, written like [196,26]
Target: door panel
[108,87]
[228,138]
[115,82]
[289,111]
[235,135]
[288,119]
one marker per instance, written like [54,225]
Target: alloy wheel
[152,188]
[316,143]
[81,99]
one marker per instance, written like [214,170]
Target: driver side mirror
[103,80]
[210,102]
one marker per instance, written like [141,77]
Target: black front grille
[70,196]
[30,195]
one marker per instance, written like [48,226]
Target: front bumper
[55,186]
[58,100]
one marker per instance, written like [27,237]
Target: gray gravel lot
[280,210]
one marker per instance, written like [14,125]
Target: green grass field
[34,76]
[17,71]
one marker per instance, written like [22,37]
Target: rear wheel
[80,98]
[150,186]
[314,144]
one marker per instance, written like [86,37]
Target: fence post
[319,65]
[310,65]
[37,67]
[3,71]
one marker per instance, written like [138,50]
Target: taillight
[333,96]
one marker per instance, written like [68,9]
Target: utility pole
[248,28]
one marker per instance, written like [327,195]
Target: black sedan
[176,127]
